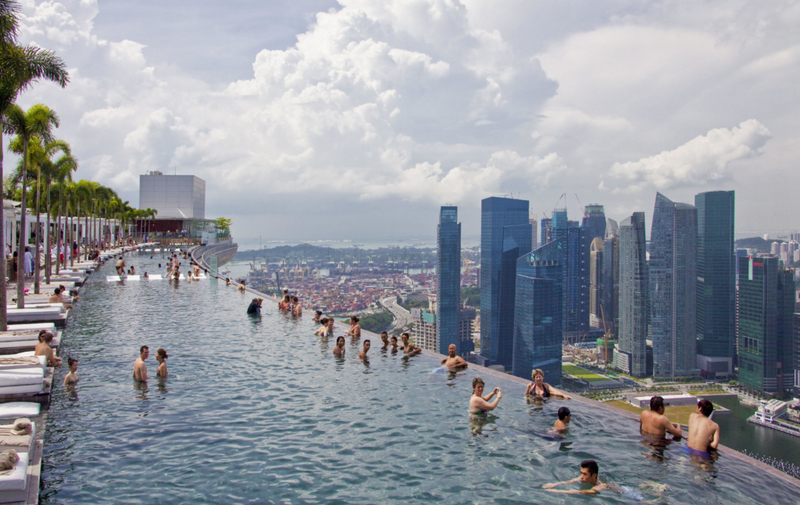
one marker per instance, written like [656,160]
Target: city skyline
[539,101]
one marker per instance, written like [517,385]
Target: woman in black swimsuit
[338,351]
[541,389]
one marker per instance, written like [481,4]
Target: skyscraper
[673,289]
[610,290]
[596,282]
[448,278]
[576,273]
[630,356]
[505,236]
[538,311]
[534,218]
[594,218]
[716,282]
[546,230]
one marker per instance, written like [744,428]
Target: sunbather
[43,348]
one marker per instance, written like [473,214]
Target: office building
[465,345]
[673,289]
[609,314]
[796,327]
[766,333]
[176,197]
[546,231]
[534,219]
[577,245]
[716,282]
[505,236]
[538,311]
[630,356]
[594,218]
[424,330]
[596,282]
[448,278]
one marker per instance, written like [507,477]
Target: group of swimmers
[140,368]
[43,348]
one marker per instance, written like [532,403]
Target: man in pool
[409,348]
[703,432]
[393,344]
[139,368]
[564,417]
[588,477]
[384,340]
[363,354]
[254,309]
[655,423]
[452,361]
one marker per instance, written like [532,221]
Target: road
[402,317]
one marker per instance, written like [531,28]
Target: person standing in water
[703,432]
[541,389]
[139,368]
[452,361]
[72,376]
[564,417]
[161,357]
[409,348]
[338,351]
[655,423]
[355,328]
[363,354]
[479,404]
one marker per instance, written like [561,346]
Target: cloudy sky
[356,119]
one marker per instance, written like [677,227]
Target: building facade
[594,218]
[596,282]
[448,278]
[716,282]
[672,271]
[179,197]
[505,236]
[576,246]
[610,290]
[424,330]
[630,356]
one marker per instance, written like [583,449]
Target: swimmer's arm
[715,437]
[675,430]
[460,361]
[487,397]
[554,484]
[558,392]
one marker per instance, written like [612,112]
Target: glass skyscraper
[631,353]
[673,289]
[594,218]
[716,282]
[610,288]
[448,279]
[577,247]
[505,236]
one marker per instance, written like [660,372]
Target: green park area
[676,414]
[581,373]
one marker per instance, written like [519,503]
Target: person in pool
[139,368]
[317,315]
[363,354]
[452,361]
[161,357]
[254,309]
[384,340]
[355,328]
[541,389]
[409,348]
[588,476]
[703,432]
[338,351]
[326,330]
[479,404]
[72,376]
[564,417]
[655,423]
[393,344]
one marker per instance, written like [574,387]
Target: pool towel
[20,409]
[22,426]
[8,461]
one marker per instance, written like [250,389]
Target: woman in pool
[355,329]
[72,376]
[161,357]
[338,351]
[297,309]
[539,388]
[479,404]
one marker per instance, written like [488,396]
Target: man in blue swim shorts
[703,432]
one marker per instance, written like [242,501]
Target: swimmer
[654,422]
[161,357]
[338,351]
[297,309]
[72,376]
[254,309]
[240,287]
[227,282]
[146,276]
[564,417]
[453,361]
[393,344]
[326,330]
[176,274]
[479,404]
[363,354]
[317,316]
[384,340]
[43,348]
[703,432]
[539,388]
[409,348]
[355,328]
[132,271]
[70,297]
[589,471]
[120,266]
[139,368]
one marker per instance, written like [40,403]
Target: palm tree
[51,171]
[20,67]
[62,177]
[39,121]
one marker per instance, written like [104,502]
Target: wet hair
[590,465]
[537,371]
[394,337]
[295,299]
[339,338]
[163,353]
[318,312]
[384,333]
[656,403]
[706,407]
[324,320]
[354,319]
[476,381]
[70,361]
[142,348]
[406,334]
[563,412]
[366,341]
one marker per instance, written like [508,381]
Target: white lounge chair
[14,410]
[33,327]
[27,380]
[15,362]
[13,487]
[20,443]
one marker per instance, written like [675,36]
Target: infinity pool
[259,411]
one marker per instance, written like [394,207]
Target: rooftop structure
[178,197]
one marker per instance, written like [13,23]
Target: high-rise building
[505,236]
[766,334]
[424,330]
[534,222]
[465,345]
[177,197]
[596,282]
[673,289]
[716,282]
[775,248]
[576,274]
[630,356]
[796,354]
[610,291]
[448,278]
[594,218]
[546,231]
[538,310]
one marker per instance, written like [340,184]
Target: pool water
[257,410]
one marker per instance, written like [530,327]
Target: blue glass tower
[448,279]
[631,353]
[577,267]
[505,236]
[594,218]
[538,312]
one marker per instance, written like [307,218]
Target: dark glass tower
[673,289]
[577,267]
[448,279]
[594,218]
[537,315]
[610,289]
[505,236]
[716,281]
[631,355]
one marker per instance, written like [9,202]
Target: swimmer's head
[324,321]
[563,413]
[656,403]
[393,339]
[477,381]
[537,373]
[405,335]
[339,340]
[161,354]
[57,291]
[73,364]
[144,351]
[318,313]
[354,319]
[366,344]
[705,407]
[589,471]
[451,349]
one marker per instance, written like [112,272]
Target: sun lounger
[30,380]
[14,410]
[33,327]
[20,443]
[13,487]
[15,362]
[47,314]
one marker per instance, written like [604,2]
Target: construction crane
[580,204]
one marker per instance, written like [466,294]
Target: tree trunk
[22,238]
[38,240]
[3,295]
[47,259]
